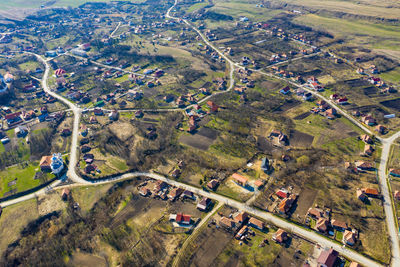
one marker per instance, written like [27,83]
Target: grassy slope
[377,35]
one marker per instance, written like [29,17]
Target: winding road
[298,230]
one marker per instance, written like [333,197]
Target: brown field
[80,259]
[305,201]
[300,139]
[196,140]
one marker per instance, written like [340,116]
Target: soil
[211,243]
[394,104]
[300,139]
[302,116]
[84,259]
[197,141]
[306,199]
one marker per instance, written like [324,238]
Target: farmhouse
[280,236]
[253,222]
[349,238]
[204,204]
[239,179]
[213,184]
[327,258]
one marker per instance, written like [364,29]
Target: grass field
[23,177]
[356,30]
[14,219]
[371,8]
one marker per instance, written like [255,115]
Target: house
[114,115]
[241,217]
[280,236]
[65,194]
[367,139]
[45,164]
[66,132]
[204,204]
[139,114]
[361,196]
[339,225]
[381,129]
[368,150]
[188,194]
[175,193]
[282,193]
[85,148]
[364,165]
[239,179]
[286,204]
[253,222]
[307,96]
[322,225]
[371,192]
[213,184]
[354,264]
[259,183]
[327,258]
[90,168]
[176,173]
[342,100]
[21,131]
[98,112]
[315,213]
[159,186]
[285,90]
[394,172]
[265,164]
[227,223]
[213,106]
[144,191]
[181,218]
[396,194]
[349,238]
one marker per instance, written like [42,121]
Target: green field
[356,30]
[23,176]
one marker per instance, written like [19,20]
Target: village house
[213,184]
[364,165]
[396,195]
[181,218]
[241,218]
[368,150]
[361,195]
[349,238]
[280,236]
[188,195]
[175,193]
[327,258]
[381,129]
[282,193]
[286,204]
[45,164]
[144,191]
[240,179]
[253,222]
[227,223]
[371,192]
[394,172]
[213,107]
[367,139]
[315,213]
[204,204]
[322,225]
[285,90]
[65,194]
[339,225]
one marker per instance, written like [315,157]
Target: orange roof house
[253,222]
[213,106]
[241,217]
[45,163]
[239,179]
[280,236]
